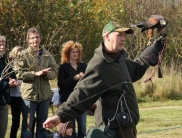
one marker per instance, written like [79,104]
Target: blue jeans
[3,120]
[28,111]
[81,123]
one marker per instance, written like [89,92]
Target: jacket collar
[123,54]
[41,51]
[29,49]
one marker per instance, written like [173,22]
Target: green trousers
[3,120]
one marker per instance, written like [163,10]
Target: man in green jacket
[35,67]
[109,77]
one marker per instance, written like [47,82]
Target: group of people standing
[107,79]
[28,82]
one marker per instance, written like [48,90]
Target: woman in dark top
[70,72]
[15,100]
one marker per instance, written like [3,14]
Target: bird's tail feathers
[133,25]
[139,25]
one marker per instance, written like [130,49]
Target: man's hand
[13,83]
[42,72]
[159,42]
[52,122]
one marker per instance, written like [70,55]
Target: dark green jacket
[105,78]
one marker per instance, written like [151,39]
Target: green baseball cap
[113,26]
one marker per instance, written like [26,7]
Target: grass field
[157,120]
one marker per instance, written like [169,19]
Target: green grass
[160,103]
[157,120]
[159,123]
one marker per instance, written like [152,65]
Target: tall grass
[169,87]
[160,89]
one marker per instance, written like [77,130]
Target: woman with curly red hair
[70,72]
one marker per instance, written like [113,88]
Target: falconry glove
[151,53]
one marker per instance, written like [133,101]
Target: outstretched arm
[52,122]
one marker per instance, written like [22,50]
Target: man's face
[2,48]
[34,40]
[116,41]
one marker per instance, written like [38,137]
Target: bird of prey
[153,22]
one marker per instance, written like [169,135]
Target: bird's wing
[151,22]
[139,25]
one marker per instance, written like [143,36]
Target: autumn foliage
[82,20]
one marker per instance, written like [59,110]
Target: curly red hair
[67,47]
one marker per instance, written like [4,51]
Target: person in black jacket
[70,72]
[5,83]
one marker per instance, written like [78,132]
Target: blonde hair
[67,47]
[14,52]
